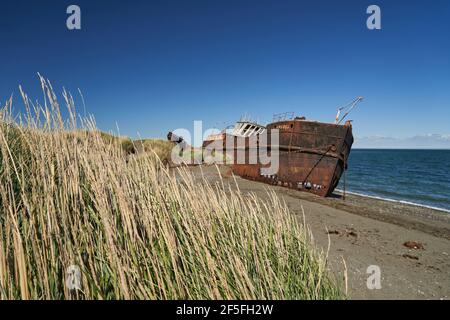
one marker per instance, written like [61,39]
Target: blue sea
[420,177]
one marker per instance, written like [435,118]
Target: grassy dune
[158,147]
[68,196]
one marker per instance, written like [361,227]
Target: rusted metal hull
[312,155]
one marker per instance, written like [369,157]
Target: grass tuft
[137,230]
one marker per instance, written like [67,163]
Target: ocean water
[416,176]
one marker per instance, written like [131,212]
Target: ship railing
[283,116]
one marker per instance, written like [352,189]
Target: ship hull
[312,156]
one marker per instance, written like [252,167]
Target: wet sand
[365,231]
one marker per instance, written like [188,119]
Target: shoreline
[427,219]
[339,191]
[410,216]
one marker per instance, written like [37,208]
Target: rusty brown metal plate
[312,155]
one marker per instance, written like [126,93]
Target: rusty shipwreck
[312,155]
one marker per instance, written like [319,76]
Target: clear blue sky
[153,66]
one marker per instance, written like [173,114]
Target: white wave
[393,200]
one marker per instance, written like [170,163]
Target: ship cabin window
[250,129]
[246,129]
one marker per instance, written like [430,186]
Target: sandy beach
[364,231]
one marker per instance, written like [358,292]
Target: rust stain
[312,155]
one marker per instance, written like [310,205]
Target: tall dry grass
[135,229]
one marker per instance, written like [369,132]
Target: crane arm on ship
[347,108]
